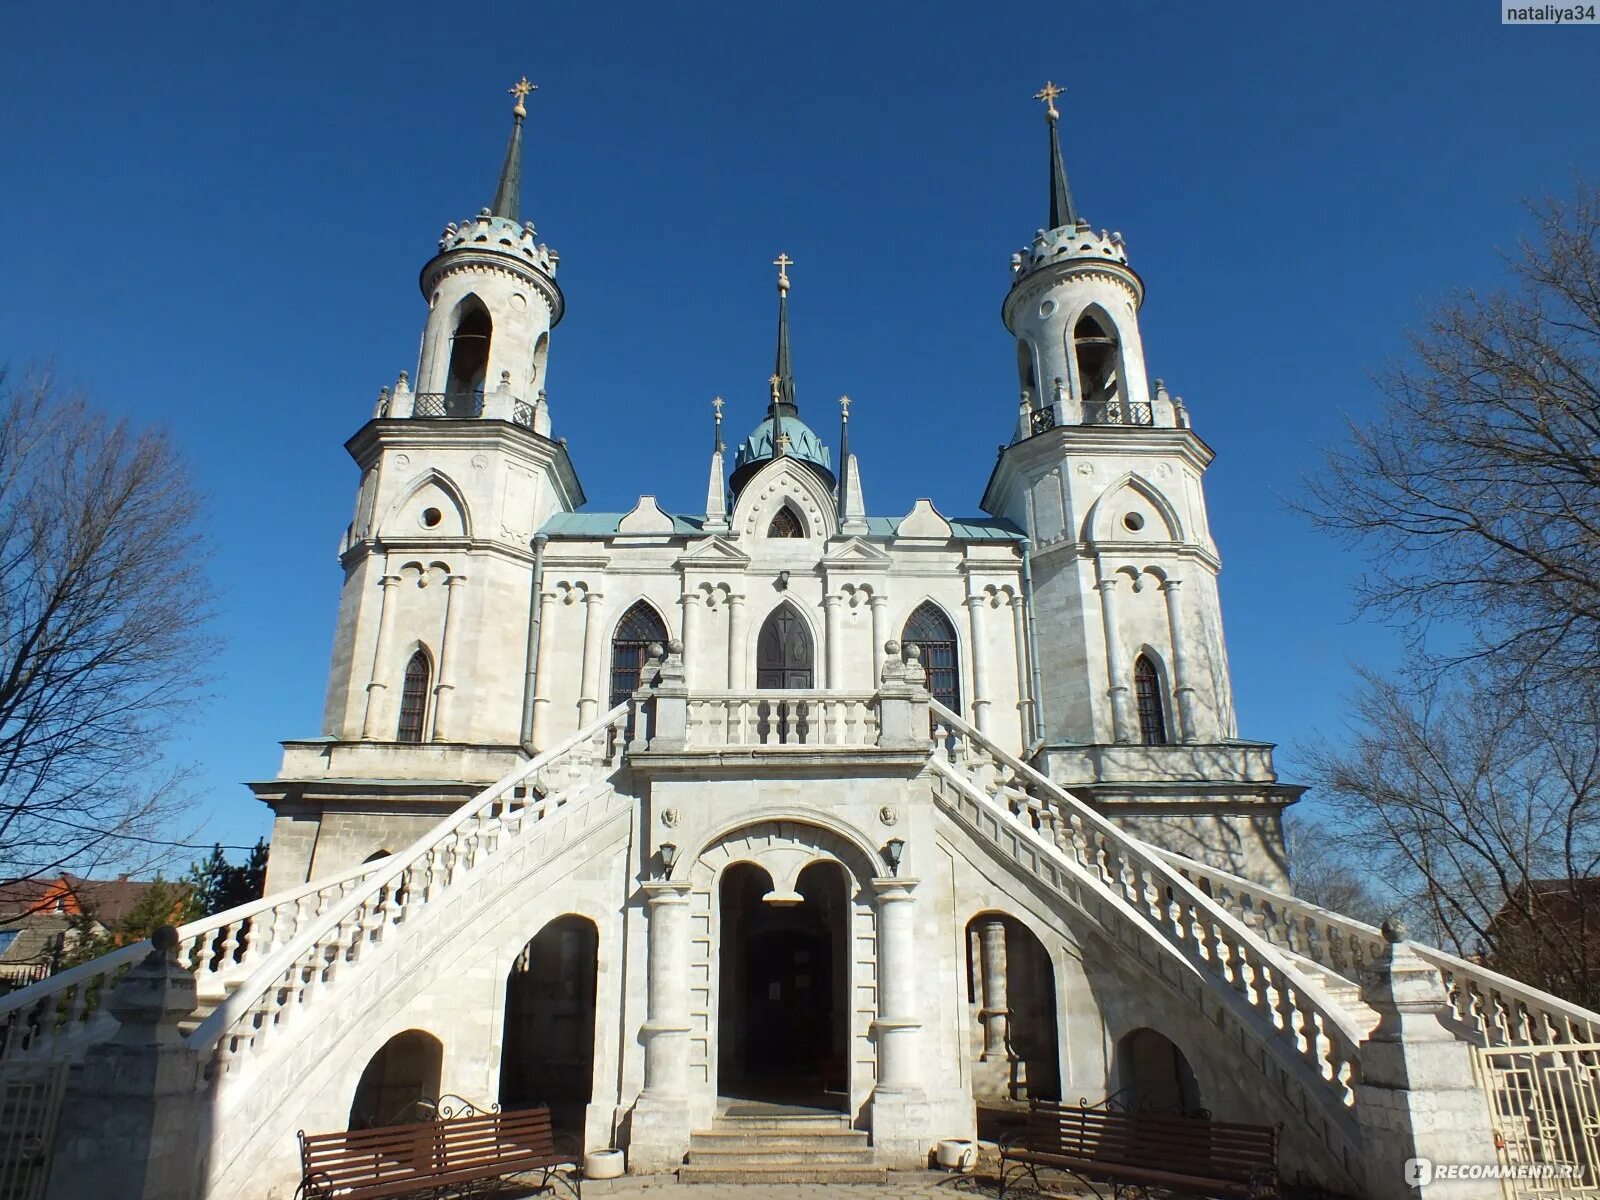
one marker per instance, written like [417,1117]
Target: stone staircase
[778,1147]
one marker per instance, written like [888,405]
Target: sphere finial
[1048,94]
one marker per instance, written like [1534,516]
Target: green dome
[757,450]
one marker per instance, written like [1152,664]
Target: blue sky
[216,215]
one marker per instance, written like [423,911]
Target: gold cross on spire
[783,262]
[717,402]
[773,383]
[1048,94]
[520,90]
[783,443]
[844,407]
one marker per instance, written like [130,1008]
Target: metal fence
[30,1105]
[1544,1102]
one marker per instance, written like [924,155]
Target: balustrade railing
[1117,412]
[1042,419]
[1071,849]
[781,720]
[1501,1010]
[522,413]
[49,1017]
[447,404]
[400,888]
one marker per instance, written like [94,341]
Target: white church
[879,822]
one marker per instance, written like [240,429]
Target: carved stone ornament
[669,817]
[889,815]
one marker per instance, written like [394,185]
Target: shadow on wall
[1152,1075]
[404,1071]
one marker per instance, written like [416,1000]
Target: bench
[1138,1151]
[433,1156]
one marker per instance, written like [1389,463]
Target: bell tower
[458,471]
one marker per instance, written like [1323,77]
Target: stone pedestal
[134,1120]
[1417,1098]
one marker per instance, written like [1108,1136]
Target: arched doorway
[1011,992]
[783,1009]
[547,1054]
[404,1071]
[784,653]
[1152,1075]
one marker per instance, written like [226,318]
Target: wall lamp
[669,856]
[893,849]
[783,581]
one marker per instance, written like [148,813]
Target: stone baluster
[995,1013]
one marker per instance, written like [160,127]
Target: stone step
[779,1156]
[802,1123]
[779,1139]
[757,1175]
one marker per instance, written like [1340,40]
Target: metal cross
[773,383]
[844,406]
[717,403]
[1048,94]
[783,443]
[520,90]
[783,262]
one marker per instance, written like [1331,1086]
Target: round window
[1133,522]
[431,517]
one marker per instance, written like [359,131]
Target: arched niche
[404,1071]
[785,651]
[547,1050]
[1153,1075]
[1011,994]
[469,351]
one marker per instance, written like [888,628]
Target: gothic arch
[415,713]
[394,527]
[781,651]
[471,336]
[930,627]
[785,479]
[1092,360]
[1100,524]
[640,625]
[1150,698]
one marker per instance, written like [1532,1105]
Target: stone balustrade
[63,1012]
[308,957]
[781,720]
[1111,876]
[1501,1010]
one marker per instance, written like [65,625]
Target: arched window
[414,698]
[1025,371]
[1147,690]
[469,357]
[931,632]
[783,651]
[639,626]
[785,524]
[1095,350]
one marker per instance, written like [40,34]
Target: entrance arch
[784,1022]
[785,656]
[404,1071]
[1011,991]
[547,1053]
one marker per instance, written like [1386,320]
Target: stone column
[380,658]
[542,669]
[994,1014]
[880,618]
[899,1102]
[1418,1098]
[736,636]
[443,699]
[1122,728]
[1180,663]
[1019,638]
[131,1122]
[980,664]
[659,1133]
[830,634]
[693,601]
[593,626]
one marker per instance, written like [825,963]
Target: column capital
[593,596]
[976,600]
[830,599]
[1108,584]
[893,888]
[454,579]
[666,891]
[389,580]
[1170,585]
[877,600]
[1017,600]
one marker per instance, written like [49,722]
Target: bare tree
[103,612]
[1478,486]
[1477,800]
[1321,872]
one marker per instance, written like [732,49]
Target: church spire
[1062,211]
[783,402]
[508,195]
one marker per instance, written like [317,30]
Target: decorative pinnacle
[783,262]
[1048,94]
[520,90]
[716,437]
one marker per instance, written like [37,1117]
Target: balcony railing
[448,404]
[1117,412]
[1041,419]
[773,719]
[522,414]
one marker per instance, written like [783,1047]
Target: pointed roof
[508,194]
[783,401]
[1063,213]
